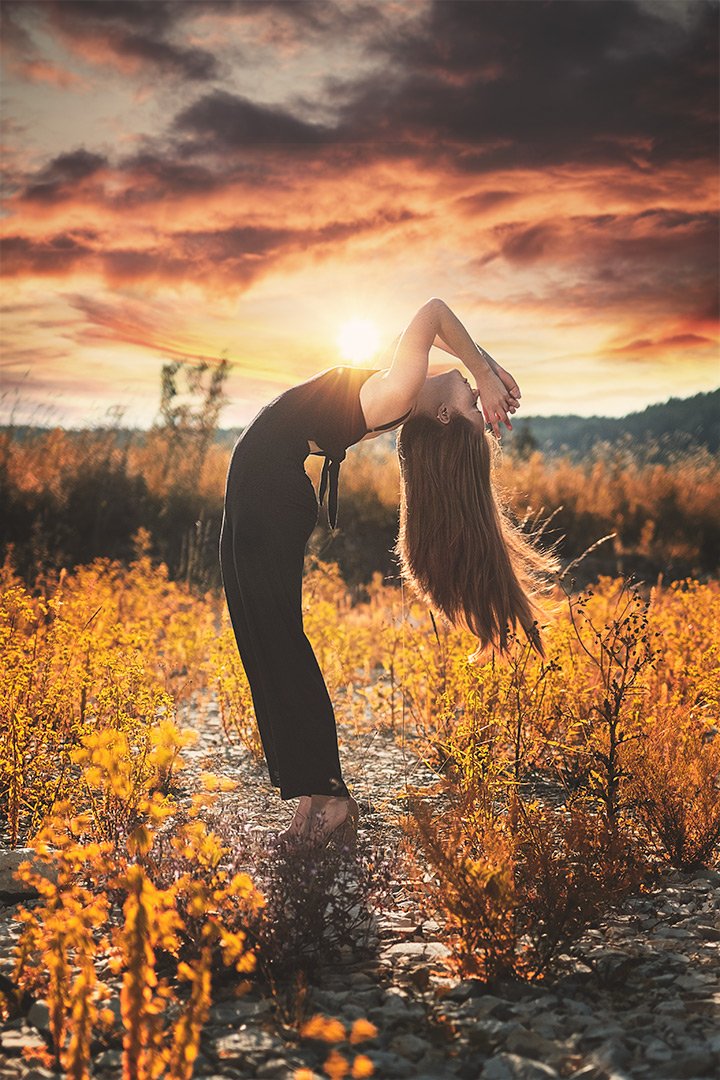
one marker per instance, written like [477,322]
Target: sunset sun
[358,340]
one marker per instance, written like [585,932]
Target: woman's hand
[510,385]
[505,377]
[499,397]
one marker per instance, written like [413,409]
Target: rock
[367,998]
[706,874]
[666,978]
[15,1040]
[488,1035]
[674,1006]
[330,1001]
[695,980]
[581,1007]
[352,1012]
[409,1046]
[238,1010]
[529,1044]
[589,1072]
[514,1067]
[708,932]
[361,981]
[485,1008]
[108,1059]
[39,1016]
[610,1055]
[600,1032]
[465,989]
[696,1063]
[434,1064]
[420,950]
[657,1051]
[246,1043]
[389,1064]
[10,859]
[396,1008]
[548,1024]
[274,1067]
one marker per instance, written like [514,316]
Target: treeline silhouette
[679,424]
[71,496]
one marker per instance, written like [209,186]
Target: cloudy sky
[191,180]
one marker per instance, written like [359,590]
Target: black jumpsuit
[269,513]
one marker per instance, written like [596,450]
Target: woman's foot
[322,819]
[332,818]
[298,827]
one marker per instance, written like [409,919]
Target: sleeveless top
[325,409]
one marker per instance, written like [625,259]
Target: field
[513,809]
[538,796]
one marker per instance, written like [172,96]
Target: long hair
[456,544]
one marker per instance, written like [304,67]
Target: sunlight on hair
[358,340]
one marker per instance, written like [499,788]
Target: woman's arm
[408,370]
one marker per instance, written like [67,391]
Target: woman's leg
[268,565]
[246,648]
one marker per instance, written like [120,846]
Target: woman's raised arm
[409,367]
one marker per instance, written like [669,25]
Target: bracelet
[486,356]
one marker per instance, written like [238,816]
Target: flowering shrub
[103,904]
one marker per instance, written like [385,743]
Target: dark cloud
[225,120]
[490,85]
[236,255]
[655,233]
[528,245]
[152,16]
[508,85]
[480,201]
[141,30]
[496,85]
[143,178]
[152,177]
[14,38]
[58,180]
[656,260]
[56,255]
[194,64]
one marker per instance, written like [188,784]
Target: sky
[190,181]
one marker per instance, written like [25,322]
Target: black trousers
[268,518]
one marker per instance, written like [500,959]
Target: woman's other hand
[510,385]
[497,399]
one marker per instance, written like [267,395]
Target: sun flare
[358,340]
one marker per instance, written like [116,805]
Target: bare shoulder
[382,400]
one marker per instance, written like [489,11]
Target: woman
[455,544]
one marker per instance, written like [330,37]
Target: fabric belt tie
[329,483]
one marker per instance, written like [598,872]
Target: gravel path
[639,995]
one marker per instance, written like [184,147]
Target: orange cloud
[44,71]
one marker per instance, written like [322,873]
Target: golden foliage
[561,780]
[125,918]
[102,650]
[330,1030]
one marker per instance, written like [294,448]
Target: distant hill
[677,424]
